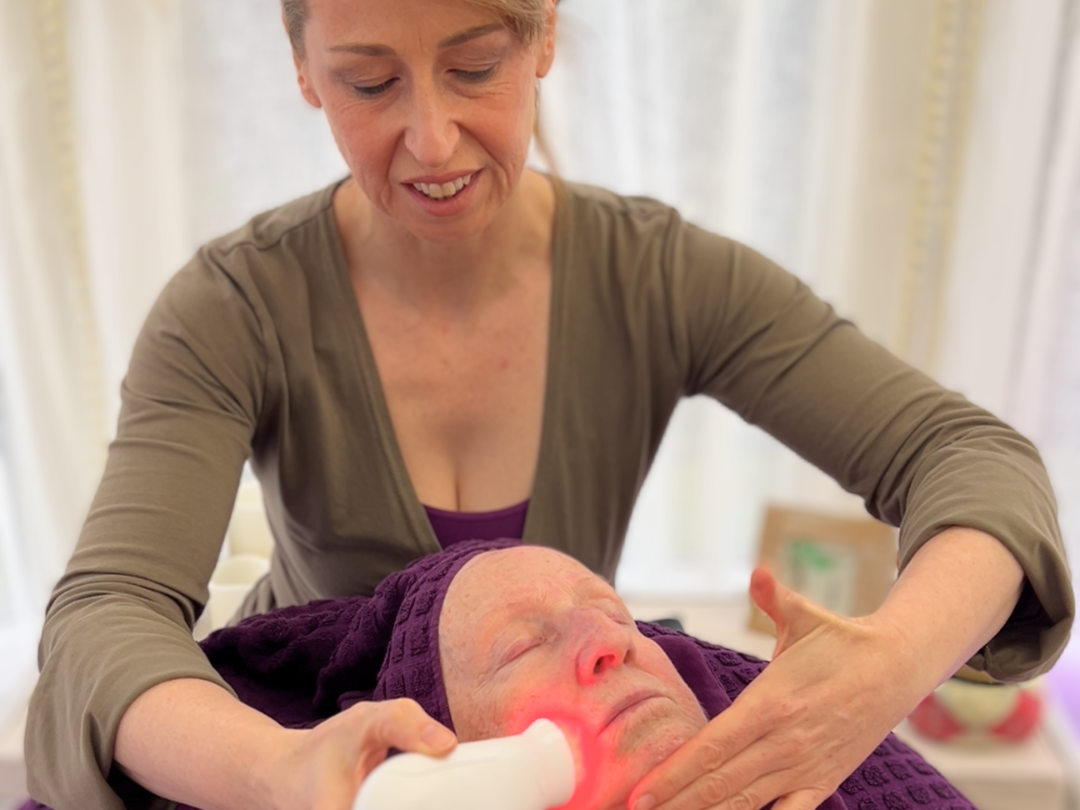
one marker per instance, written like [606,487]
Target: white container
[230,583]
[249,532]
[532,771]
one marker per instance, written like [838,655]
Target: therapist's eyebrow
[470,34]
[362,49]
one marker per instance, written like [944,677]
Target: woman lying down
[489,636]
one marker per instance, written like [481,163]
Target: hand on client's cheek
[528,632]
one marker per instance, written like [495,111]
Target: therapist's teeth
[442,191]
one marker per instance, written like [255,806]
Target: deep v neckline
[366,383]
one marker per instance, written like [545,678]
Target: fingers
[795,732]
[794,615]
[763,587]
[734,788]
[757,751]
[806,800]
[324,766]
[703,756]
[402,724]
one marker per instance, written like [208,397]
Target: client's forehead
[496,586]
[525,573]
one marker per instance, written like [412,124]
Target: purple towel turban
[303,664]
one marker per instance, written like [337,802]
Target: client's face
[528,632]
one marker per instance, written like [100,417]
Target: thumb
[408,727]
[399,724]
[794,615]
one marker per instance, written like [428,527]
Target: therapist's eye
[475,76]
[373,90]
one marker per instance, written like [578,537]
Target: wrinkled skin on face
[425,92]
[529,632]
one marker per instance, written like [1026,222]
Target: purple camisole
[454,527]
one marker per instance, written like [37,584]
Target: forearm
[191,741]
[954,596]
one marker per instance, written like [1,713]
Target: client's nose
[604,644]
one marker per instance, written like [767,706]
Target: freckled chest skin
[465,395]
[527,633]
[456,307]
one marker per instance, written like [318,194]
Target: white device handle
[531,771]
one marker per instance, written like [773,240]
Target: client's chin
[638,741]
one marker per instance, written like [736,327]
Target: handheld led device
[533,770]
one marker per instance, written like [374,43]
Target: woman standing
[448,338]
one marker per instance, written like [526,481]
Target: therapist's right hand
[192,741]
[322,768]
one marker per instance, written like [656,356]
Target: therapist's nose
[431,134]
[604,644]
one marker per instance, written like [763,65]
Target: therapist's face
[528,632]
[432,103]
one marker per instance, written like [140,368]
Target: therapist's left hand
[833,691]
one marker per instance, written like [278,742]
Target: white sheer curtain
[251,141]
[830,135]
[860,144]
[1045,390]
[1045,396]
[52,409]
[712,107]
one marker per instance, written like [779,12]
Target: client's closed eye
[517,648]
[520,647]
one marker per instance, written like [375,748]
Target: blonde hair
[525,18]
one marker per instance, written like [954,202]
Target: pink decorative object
[965,712]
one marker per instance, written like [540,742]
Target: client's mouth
[627,706]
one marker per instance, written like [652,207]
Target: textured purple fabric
[456,527]
[401,620]
[303,664]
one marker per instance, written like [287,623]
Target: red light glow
[599,773]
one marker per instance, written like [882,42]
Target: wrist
[953,597]
[910,669]
[271,777]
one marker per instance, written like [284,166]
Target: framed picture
[846,565]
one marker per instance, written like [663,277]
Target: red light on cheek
[601,778]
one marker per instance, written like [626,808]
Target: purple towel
[301,665]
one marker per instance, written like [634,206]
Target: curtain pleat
[50,350]
[951,74]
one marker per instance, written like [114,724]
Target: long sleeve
[921,457]
[254,351]
[120,619]
[647,309]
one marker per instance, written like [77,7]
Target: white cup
[249,533]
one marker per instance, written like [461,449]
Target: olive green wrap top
[257,349]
